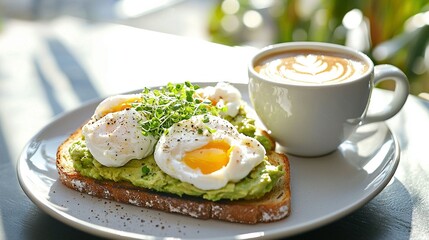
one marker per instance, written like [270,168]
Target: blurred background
[389,31]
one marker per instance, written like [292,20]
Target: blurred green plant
[388,31]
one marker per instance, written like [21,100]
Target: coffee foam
[311,68]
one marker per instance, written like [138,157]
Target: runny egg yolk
[210,157]
[123,105]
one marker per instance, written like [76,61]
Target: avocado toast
[262,195]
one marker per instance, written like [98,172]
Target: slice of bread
[274,206]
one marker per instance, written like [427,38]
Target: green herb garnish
[145,170]
[171,104]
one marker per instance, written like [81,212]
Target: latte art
[311,68]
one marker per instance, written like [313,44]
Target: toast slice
[273,206]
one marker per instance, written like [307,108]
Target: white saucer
[323,189]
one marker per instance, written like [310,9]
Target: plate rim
[99,230]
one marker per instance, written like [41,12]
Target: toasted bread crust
[274,206]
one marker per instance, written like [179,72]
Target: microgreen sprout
[170,104]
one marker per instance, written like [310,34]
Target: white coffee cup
[312,118]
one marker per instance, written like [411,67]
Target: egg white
[116,138]
[185,136]
[111,102]
[223,94]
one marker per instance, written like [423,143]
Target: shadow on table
[73,69]
[74,73]
[42,228]
[387,216]
[21,219]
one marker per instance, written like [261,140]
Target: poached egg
[113,135]
[223,94]
[207,152]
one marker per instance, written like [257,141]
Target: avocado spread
[247,127]
[145,172]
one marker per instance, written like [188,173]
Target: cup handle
[389,72]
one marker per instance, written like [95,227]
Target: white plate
[323,189]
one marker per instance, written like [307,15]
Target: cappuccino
[313,95]
[309,67]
